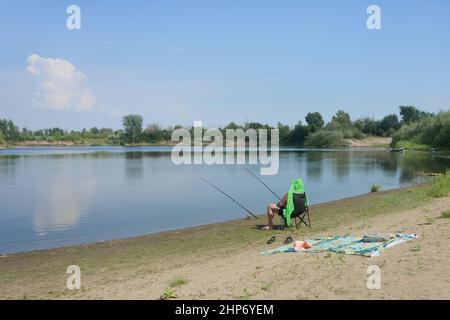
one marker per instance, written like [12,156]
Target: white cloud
[59,85]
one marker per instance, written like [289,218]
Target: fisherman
[285,206]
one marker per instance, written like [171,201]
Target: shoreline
[223,261]
[376,142]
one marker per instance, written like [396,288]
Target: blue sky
[219,61]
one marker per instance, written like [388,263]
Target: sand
[369,142]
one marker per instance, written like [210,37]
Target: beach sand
[223,261]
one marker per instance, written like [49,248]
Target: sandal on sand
[288,240]
[271,240]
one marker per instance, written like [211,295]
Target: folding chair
[301,211]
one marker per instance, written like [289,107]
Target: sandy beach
[223,261]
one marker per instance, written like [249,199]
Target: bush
[353,133]
[168,294]
[445,215]
[440,186]
[375,188]
[324,138]
[431,131]
[409,145]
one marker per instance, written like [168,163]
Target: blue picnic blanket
[347,245]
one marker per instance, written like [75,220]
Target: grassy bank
[410,145]
[41,274]
[86,143]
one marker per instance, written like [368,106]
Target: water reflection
[412,165]
[134,165]
[341,166]
[314,165]
[62,201]
[8,166]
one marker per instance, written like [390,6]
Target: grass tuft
[375,188]
[440,186]
[178,282]
[445,215]
[267,286]
[168,294]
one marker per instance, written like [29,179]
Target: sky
[175,62]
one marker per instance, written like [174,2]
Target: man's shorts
[279,211]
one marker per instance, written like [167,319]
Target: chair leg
[302,220]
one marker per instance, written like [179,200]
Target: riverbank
[366,142]
[223,260]
[88,143]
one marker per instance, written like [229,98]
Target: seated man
[285,206]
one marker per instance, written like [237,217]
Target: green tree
[341,120]
[283,131]
[132,125]
[106,131]
[411,114]
[389,123]
[153,133]
[9,130]
[298,134]
[232,126]
[256,126]
[367,126]
[315,121]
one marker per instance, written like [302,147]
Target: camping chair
[301,211]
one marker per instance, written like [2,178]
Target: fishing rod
[240,205]
[263,183]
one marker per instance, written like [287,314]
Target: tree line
[410,126]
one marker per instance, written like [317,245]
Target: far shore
[363,143]
[223,261]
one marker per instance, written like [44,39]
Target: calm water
[56,197]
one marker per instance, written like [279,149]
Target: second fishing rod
[265,185]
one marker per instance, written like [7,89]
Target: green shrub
[177,282]
[446,214]
[440,186]
[168,294]
[375,188]
[430,131]
[324,138]
[353,133]
[409,145]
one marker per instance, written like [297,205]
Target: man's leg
[270,214]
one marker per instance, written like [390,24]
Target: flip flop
[288,240]
[271,240]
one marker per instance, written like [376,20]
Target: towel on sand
[347,245]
